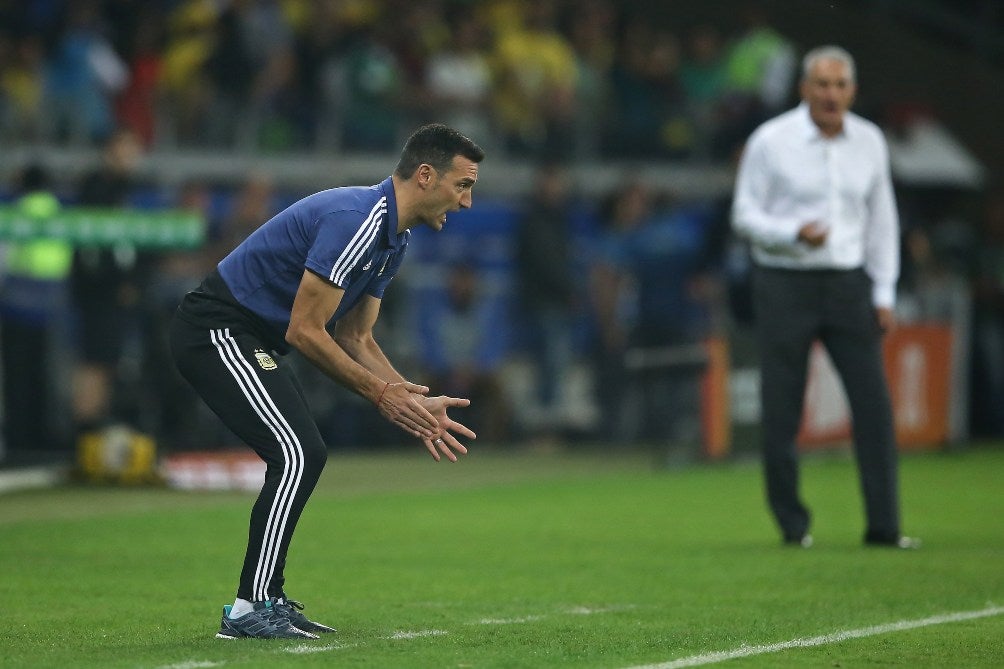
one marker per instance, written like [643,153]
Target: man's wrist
[382,391]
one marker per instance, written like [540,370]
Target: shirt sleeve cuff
[884,295]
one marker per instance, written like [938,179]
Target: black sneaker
[291,609]
[905,543]
[264,622]
[804,541]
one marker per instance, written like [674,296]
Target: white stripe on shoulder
[366,233]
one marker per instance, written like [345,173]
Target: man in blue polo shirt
[323,263]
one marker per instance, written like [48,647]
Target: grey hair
[828,52]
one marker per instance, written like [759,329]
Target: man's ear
[425,174]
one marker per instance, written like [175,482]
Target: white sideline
[416,635]
[836,637]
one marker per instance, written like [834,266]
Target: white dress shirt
[791,174]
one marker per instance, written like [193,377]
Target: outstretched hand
[401,404]
[444,441]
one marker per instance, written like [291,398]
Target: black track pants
[260,400]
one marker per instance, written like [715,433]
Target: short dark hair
[437,145]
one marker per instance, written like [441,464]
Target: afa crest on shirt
[264,360]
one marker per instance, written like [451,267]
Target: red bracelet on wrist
[380,396]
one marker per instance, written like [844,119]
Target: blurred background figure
[461,351]
[547,290]
[22,66]
[592,28]
[613,295]
[252,204]
[659,271]
[108,283]
[374,91]
[33,305]
[458,78]
[646,94]
[760,71]
[703,83]
[988,326]
[169,409]
[83,75]
[535,78]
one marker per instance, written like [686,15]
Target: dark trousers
[793,309]
[260,400]
[25,352]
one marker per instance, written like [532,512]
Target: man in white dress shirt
[814,198]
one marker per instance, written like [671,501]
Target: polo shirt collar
[394,240]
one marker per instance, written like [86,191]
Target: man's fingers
[415,388]
[447,443]
[431,448]
[422,416]
[462,429]
[456,402]
[439,443]
[450,441]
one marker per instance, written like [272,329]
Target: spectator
[319,49]
[614,308]
[702,81]
[462,350]
[136,105]
[535,77]
[674,291]
[760,68]
[33,300]
[374,90]
[84,73]
[185,86]
[591,31]
[988,321]
[253,203]
[546,287]
[107,285]
[22,63]
[174,415]
[458,78]
[645,86]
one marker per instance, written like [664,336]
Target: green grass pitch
[519,559]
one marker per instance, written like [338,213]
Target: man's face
[829,91]
[449,191]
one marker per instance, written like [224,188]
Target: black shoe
[264,622]
[905,543]
[290,608]
[804,541]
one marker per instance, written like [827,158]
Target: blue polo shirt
[348,236]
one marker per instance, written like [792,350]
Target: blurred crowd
[535,306]
[536,77]
[551,284]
